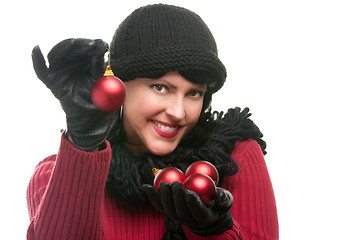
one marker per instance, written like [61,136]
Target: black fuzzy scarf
[212,139]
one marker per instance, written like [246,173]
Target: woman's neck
[136,149]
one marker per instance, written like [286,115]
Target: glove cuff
[90,132]
[218,228]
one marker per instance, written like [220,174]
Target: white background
[294,63]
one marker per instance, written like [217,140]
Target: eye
[196,94]
[159,88]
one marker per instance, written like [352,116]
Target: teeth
[166,128]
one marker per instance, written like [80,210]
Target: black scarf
[212,139]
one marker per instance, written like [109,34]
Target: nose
[175,108]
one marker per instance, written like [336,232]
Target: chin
[162,149]
[161,152]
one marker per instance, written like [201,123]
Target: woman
[98,186]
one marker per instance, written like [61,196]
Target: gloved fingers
[180,204]
[101,47]
[97,66]
[62,52]
[75,50]
[153,196]
[39,64]
[224,199]
[97,61]
[199,211]
[167,202]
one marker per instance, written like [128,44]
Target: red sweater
[67,199]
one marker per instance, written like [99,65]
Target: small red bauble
[108,92]
[169,175]
[203,167]
[203,186]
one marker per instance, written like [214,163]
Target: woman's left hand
[185,206]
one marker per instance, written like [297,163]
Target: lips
[166,130]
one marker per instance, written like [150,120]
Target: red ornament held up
[108,92]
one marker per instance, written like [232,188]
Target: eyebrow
[167,82]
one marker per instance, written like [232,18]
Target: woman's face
[157,113]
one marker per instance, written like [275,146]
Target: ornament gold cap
[108,71]
[156,171]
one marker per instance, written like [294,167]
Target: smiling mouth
[166,130]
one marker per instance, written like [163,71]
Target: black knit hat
[157,39]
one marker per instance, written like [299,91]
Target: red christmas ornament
[108,92]
[169,175]
[203,167]
[203,186]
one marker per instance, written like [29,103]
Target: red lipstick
[166,130]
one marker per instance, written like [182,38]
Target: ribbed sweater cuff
[73,200]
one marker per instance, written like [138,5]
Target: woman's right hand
[186,207]
[74,65]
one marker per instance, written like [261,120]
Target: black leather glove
[186,207]
[74,65]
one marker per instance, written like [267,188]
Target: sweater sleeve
[254,205]
[65,194]
[254,209]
